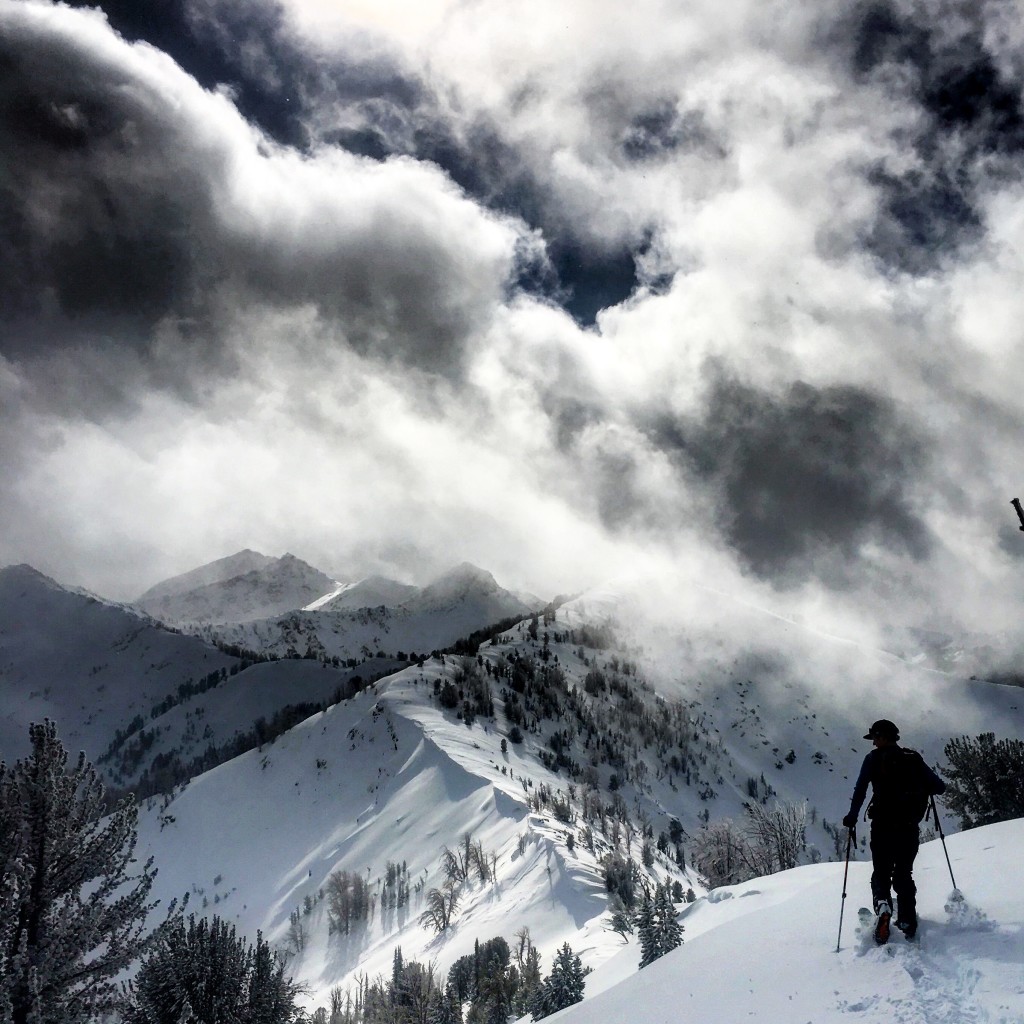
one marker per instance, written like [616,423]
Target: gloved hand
[850,821]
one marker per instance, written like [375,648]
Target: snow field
[766,950]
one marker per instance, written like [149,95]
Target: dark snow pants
[893,849]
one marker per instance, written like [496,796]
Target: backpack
[900,786]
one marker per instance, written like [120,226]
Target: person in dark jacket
[901,783]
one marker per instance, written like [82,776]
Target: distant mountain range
[287,608]
[105,670]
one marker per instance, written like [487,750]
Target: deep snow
[766,950]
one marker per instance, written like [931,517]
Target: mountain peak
[239,588]
[24,575]
[217,571]
[465,573]
[24,571]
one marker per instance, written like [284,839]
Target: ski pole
[938,825]
[846,872]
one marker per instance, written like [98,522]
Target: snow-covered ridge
[422,620]
[370,592]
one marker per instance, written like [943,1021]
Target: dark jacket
[887,804]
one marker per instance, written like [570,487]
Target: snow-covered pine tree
[530,981]
[72,907]
[645,931]
[621,919]
[206,967]
[271,995]
[657,925]
[668,931]
[563,986]
[445,1008]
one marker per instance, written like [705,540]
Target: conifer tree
[563,986]
[667,929]
[445,1008]
[73,905]
[646,932]
[204,970]
[985,779]
[657,925]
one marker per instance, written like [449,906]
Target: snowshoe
[882,919]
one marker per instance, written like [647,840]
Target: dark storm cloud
[276,81]
[804,479]
[580,275]
[971,127]
[127,226]
[368,105]
[926,215]
[948,70]
[662,129]
[103,222]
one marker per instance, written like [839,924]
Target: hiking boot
[882,923]
[909,928]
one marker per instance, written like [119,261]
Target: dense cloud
[969,126]
[144,210]
[558,290]
[807,478]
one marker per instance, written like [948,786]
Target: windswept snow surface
[766,950]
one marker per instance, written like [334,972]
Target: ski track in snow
[950,965]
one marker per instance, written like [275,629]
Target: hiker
[901,783]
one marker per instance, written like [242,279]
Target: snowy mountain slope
[185,728]
[451,607]
[370,592]
[385,776]
[766,950]
[267,589]
[86,663]
[788,700]
[995,656]
[392,775]
[222,569]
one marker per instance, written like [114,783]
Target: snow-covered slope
[89,665]
[371,592]
[451,607]
[222,569]
[264,588]
[392,775]
[766,950]
[786,699]
[187,733]
[387,776]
